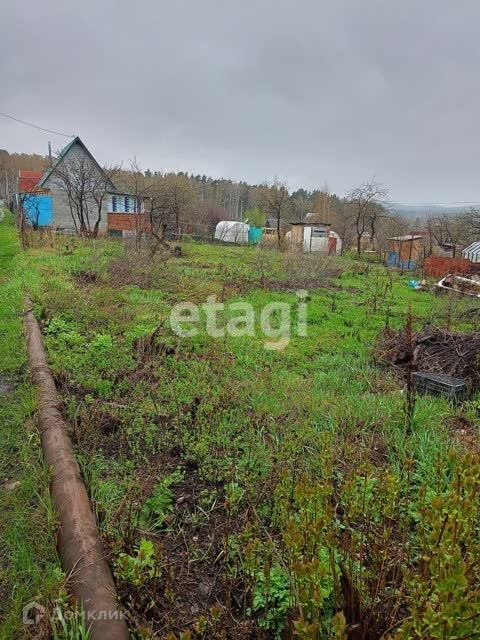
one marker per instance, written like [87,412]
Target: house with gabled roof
[77,192]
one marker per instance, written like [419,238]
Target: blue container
[254,235]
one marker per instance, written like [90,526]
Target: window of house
[127,204]
[114,203]
[319,233]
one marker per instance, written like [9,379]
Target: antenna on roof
[49,153]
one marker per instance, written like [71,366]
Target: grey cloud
[310,91]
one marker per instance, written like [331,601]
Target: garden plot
[244,492]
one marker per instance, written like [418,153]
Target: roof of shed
[311,224]
[406,238]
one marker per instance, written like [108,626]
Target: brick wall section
[128,222]
[436,266]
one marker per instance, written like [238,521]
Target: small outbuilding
[314,237]
[472,252]
[232,231]
[404,252]
[367,244]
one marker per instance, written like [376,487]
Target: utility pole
[49,153]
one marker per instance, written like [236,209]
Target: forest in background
[198,202]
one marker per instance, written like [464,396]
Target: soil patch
[194,583]
[85,277]
[464,431]
[6,386]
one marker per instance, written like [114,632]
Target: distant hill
[422,210]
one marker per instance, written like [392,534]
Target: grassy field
[29,568]
[243,491]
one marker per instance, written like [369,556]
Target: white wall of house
[118,203]
[62,215]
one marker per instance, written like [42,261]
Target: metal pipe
[83,556]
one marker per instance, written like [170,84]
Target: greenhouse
[472,252]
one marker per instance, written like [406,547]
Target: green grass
[29,568]
[271,439]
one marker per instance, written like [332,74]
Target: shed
[232,231]
[472,252]
[314,237]
[404,252]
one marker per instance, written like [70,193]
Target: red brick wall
[127,221]
[436,266]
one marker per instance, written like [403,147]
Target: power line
[58,133]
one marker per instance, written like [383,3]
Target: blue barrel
[254,235]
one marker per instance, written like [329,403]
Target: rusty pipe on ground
[81,550]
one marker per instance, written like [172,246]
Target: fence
[436,266]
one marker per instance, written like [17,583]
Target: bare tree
[30,208]
[29,212]
[322,206]
[367,206]
[449,229]
[86,188]
[471,219]
[139,187]
[389,227]
[274,199]
[172,199]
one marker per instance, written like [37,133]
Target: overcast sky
[312,92]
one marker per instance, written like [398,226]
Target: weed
[159,505]
[71,627]
[137,569]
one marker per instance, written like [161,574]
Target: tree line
[174,201]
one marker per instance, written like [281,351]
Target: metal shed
[472,252]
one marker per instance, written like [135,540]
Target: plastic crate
[439,384]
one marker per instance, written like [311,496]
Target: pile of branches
[435,351]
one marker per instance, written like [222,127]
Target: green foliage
[271,598]
[256,217]
[159,505]
[137,569]
[91,359]
[30,567]
[444,596]
[69,627]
